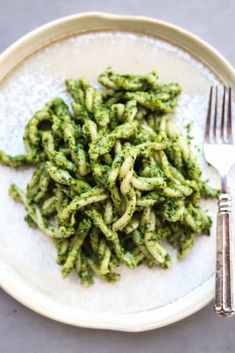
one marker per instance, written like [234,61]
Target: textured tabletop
[22,330]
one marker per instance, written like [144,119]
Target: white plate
[142,299]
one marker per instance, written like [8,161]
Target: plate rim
[124,322]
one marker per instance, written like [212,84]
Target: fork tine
[215,115]
[229,124]
[208,118]
[222,134]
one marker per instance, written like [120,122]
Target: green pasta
[114,179]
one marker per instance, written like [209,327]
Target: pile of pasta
[114,180]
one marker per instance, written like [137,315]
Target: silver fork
[219,151]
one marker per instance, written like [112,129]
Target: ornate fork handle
[224,291]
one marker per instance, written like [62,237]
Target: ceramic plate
[32,72]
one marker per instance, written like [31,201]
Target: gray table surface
[22,330]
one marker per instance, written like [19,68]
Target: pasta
[114,179]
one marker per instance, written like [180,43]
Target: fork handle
[224,283]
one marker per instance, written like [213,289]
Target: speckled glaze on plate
[31,72]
